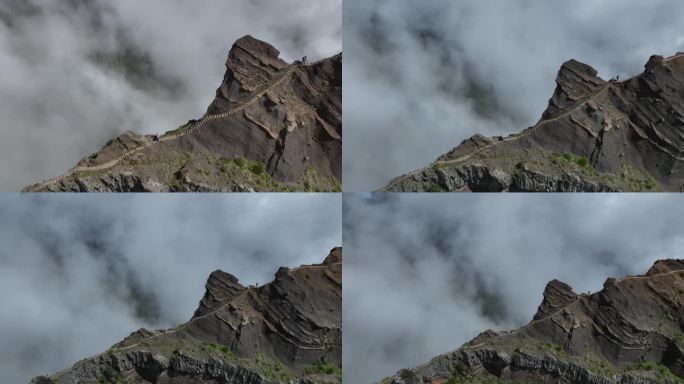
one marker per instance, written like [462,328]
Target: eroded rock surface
[287,331]
[595,135]
[632,331]
[283,132]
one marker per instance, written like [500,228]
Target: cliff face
[272,126]
[595,135]
[287,331]
[632,331]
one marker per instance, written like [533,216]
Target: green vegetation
[568,161]
[111,376]
[679,338]
[183,170]
[323,368]
[312,181]
[554,164]
[271,368]
[260,363]
[221,348]
[637,180]
[257,168]
[178,131]
[240,162]
[551,347]
[661,372]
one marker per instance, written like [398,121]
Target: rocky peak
[654,62]
[666,266]
[573,71]
[334,257]
[221,286]
[556,295]
[574,81]
[255,47]
[251,63]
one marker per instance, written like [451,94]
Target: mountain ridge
[286,331]
[271,126]
[595,135]
[630,332]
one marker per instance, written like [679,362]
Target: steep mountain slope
[287,331]
[595,135]
[630,332]
[273,126]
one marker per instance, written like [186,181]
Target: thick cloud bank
[421,76]
[79,273]
[426,273]
[76,73]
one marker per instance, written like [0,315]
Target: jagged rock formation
[287,331]
[273,126]
[595,135]
[630,332]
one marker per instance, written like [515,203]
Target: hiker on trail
[304,60]
[155,137]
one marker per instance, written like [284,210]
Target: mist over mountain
[287,331]
[449,267]
[84,71]
[439,72]
[80,274]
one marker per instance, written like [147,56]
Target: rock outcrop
[287,331]
[273,126]
[595,135]
[630,332]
